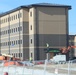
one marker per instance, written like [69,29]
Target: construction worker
[31,59]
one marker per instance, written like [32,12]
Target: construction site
[34,40]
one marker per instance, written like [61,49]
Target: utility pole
[47,45]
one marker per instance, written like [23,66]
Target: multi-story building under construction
[25,30]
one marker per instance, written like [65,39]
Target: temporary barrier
[43,67]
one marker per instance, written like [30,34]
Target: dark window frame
[30,13]
[31,41]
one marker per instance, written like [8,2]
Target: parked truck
[59,58]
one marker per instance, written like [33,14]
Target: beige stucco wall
[32,32]
[25,15]
[32,20]
[47,20]
[13,36]
[12,21]
[52,20]
[4,24]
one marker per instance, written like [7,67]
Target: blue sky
[6,5]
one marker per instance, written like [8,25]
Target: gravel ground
[61,68]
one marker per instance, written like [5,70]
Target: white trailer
[59,58]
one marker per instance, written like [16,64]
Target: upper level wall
[51,20]
[32,20]
[25,15]
[12,17]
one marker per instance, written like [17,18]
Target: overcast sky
[6,5]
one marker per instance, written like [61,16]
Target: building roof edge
[10,11]
[35,5]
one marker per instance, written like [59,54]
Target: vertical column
[9,32]
[19,36]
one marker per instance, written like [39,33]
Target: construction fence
[42,67]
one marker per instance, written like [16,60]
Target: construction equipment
[8,57]
[10,60]
[65,50]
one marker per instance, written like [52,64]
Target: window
[6,19]
[20,41]
[16,29]
[16,41]
[16,54]
[21,54]
[6,31]
[12,42]
[2,21]
[0,33]
[31,54]
[12,53]
[12,18]
[30,14]
[31,41]
[1,44]
[12,30]
[31,27]
[16,16]
[6,43]
[20,15]
[19,28]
